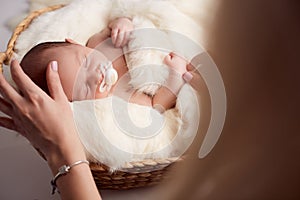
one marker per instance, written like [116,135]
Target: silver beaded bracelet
[63,170]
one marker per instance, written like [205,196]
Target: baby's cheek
[70,98]
[68,91]
[79,93]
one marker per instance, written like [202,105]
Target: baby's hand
[120,31]
[176,63]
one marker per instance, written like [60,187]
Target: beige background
[256,46]
[23,174]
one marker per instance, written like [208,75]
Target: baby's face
[78,67]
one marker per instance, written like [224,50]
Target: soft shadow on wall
[256,46]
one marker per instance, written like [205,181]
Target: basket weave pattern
[135,174]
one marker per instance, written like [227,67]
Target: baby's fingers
[168,60]
[119,39]
[126,38]
[173,58]
[114,35]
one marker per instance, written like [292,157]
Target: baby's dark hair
[36,60]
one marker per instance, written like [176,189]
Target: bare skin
[59,146]
[119,31]
[258,154]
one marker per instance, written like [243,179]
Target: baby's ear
[70,41]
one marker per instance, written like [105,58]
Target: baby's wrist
[174,82]
[178,68]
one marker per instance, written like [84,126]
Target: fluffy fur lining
[116,132]
[81,19]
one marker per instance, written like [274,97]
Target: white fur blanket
[116,132]
[181,32]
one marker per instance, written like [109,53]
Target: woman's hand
[120,31]
[49,126]
[46,122]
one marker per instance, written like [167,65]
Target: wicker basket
[135,174]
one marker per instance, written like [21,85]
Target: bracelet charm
[63,170]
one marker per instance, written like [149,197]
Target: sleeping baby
[89,74]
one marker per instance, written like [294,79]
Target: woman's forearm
[78,184]
[48,124]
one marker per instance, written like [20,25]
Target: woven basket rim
[141,173]
[5,57]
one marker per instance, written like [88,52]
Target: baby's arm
[98,38]
[166,96]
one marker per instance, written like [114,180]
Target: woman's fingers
[69,40]
[5,107]
[53,82]
[7,123]
[23,82]
[7,91]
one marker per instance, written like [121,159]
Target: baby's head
[78,68]
[35,62]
